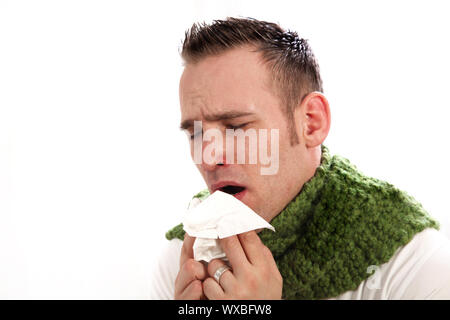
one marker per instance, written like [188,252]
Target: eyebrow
[186,124]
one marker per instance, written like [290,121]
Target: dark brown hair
[294,68]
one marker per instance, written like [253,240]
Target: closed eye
[237,126]
[229,126]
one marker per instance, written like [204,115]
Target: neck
[312,159]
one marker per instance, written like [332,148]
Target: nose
[213,157]
[212,167]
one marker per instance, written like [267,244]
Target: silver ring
[220,271]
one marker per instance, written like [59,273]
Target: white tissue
[219,216]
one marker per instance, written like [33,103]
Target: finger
[186,250]
[227,280]
[253,247]
[190,271]
[194,291]
[212,290]
[235,253]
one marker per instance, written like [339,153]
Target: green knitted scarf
[339,224]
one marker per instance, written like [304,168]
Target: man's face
[237,83]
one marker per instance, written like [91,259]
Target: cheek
[284,145]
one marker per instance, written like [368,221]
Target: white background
[93,168]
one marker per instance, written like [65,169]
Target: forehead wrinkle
[194,101]
[226,115]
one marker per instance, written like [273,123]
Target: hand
[188,284]
[254,273]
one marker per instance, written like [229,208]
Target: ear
[315,114]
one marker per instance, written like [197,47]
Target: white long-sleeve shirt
[418,270]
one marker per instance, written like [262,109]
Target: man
[339,234]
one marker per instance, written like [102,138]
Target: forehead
[236,79]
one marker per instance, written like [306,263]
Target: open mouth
[233,190]
[231,187]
